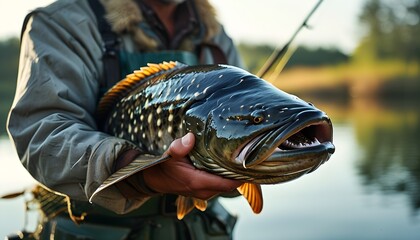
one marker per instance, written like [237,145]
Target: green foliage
[9,54]
[9,50]
[305,56]
[392,30]
[255,56]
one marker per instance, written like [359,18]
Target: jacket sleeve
[52,120]
[228,47]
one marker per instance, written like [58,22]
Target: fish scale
[239,122]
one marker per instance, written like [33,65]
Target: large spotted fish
[245,128]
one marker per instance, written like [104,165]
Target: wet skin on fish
[245,128]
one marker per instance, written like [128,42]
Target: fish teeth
[292,145]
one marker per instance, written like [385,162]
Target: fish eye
[257,119]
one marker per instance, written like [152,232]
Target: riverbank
[388,79]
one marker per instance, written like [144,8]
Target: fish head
[255,123]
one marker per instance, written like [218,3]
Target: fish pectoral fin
[184,205]
[253,194]
[137,165]
[200,204]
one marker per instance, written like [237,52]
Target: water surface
[370,188]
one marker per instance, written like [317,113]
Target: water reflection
[370,189]
[389,135]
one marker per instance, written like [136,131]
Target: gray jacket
[52,118]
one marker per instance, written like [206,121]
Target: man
[71,52]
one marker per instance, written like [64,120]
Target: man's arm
[52,119]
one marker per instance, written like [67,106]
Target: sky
[334,24]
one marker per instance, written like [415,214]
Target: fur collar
[125,15]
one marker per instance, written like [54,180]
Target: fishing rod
[279,54]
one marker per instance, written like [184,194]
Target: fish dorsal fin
[131,81]
[253,194]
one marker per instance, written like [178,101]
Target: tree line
[391,30]
[253,55]
[9,50]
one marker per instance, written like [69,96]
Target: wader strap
[111,46]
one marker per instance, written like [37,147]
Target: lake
[369,189]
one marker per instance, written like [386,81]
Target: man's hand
[179,176]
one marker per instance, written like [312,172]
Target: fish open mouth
[308,137]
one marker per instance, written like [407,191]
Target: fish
[245,128]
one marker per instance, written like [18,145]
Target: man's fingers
[179,176]
[181,147]
[196,179]
[212,182]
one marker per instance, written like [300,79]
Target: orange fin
[253,194]
[200,204]
[131,81]
[184,205]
